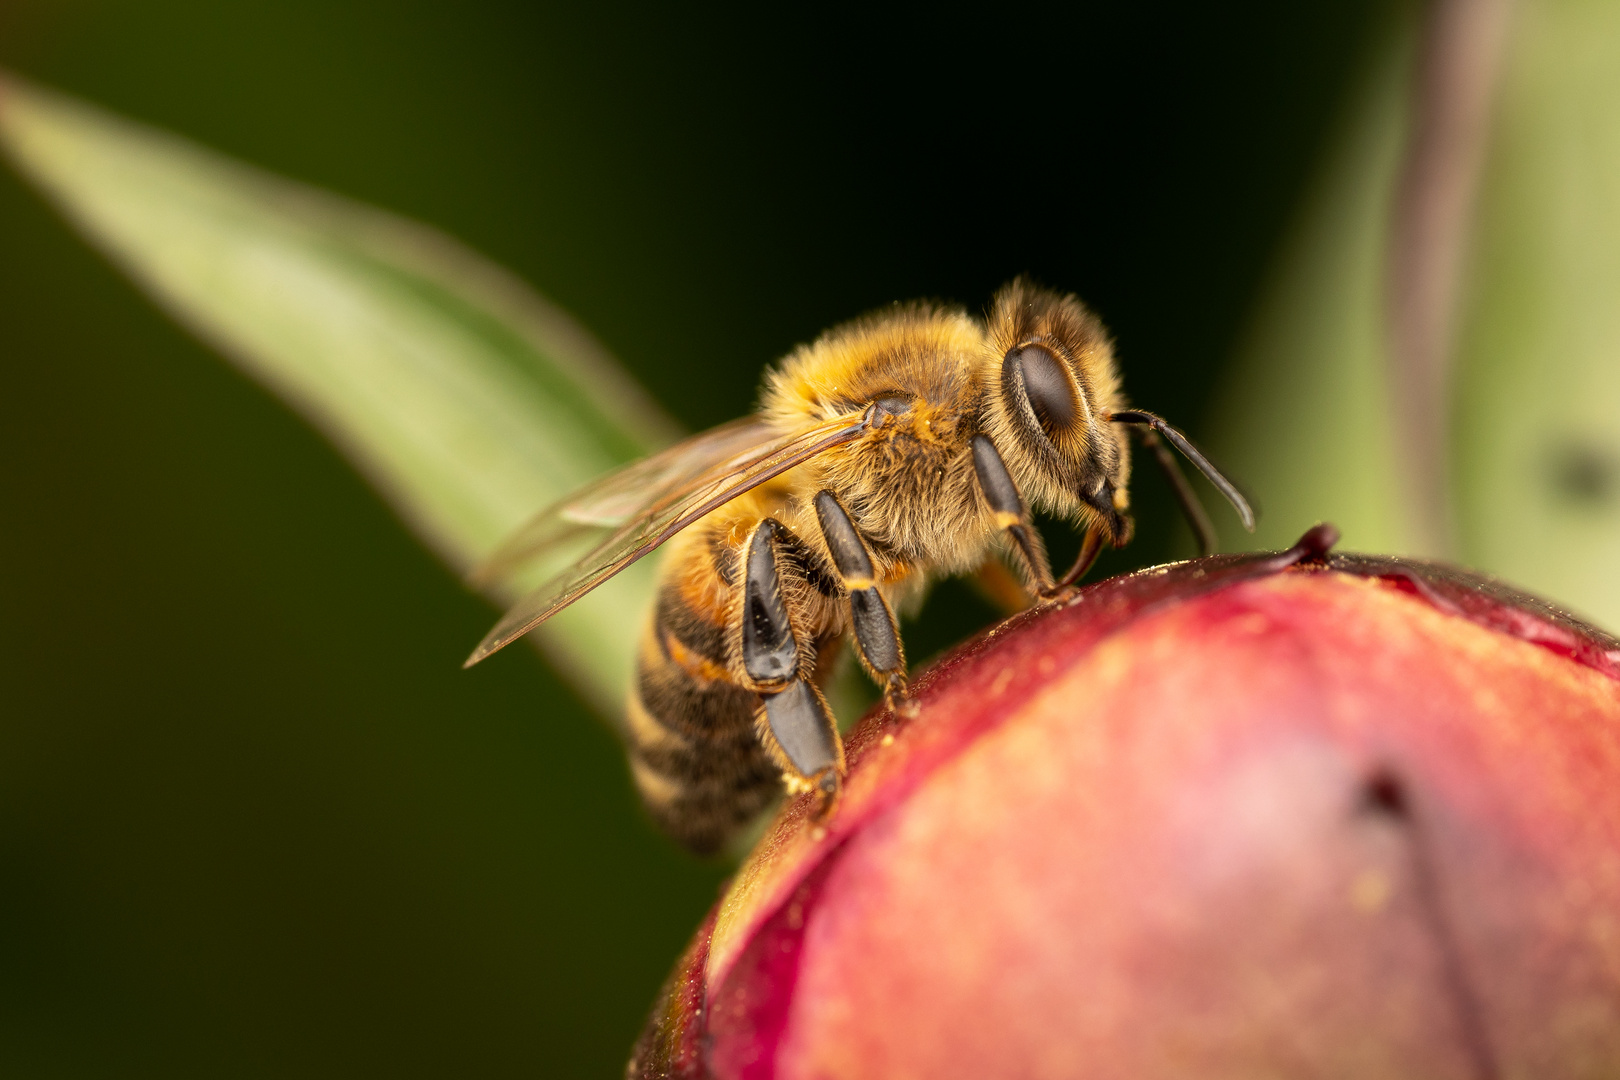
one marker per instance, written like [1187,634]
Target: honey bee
[896,448]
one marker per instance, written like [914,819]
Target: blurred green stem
[1432,365]
[1458,62]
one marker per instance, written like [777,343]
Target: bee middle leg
[795,724]
[877,636]
[1013,516]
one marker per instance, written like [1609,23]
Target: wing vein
[667,508]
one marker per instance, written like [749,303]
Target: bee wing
[665,516]
[611,500]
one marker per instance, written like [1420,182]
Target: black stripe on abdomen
[696,759]
[701,637]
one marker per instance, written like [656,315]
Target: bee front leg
[1013,515]
[876,634]
[794,723]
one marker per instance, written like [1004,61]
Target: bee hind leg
[876,634]
[803,735]
[794,723]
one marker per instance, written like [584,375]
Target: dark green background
[254,819]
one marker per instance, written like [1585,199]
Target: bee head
[1049,390]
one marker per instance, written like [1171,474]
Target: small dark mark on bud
[1383,793]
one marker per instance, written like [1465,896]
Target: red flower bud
[1243,816]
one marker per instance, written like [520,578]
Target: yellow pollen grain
[1006,519]
[1371,891]
[796,785]
[856,584]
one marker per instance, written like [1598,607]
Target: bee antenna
[1244,511]
[1192,508]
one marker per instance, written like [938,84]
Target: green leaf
[467,399]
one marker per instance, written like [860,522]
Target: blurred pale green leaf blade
[1531,397]
[1537,421]
[1303,416]
[467,399]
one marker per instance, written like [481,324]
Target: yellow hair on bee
[906,484]
[913,443]
[916,348]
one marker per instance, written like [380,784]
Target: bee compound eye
[892,404]
[1046,383]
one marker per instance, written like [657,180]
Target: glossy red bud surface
[1287,815]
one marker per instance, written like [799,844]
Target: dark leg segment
[1186,498]
[803,728]
[1090,548]
[1011,513]
[876,634]
[770,653]
[796,721]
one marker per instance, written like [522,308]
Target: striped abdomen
[689,728]
[726,709]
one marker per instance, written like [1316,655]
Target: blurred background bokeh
[254,819]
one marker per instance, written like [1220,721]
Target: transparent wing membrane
[666,512]
[612,500]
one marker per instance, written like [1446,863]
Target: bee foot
[897,698]
[831,787]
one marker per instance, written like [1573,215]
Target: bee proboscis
[896,448]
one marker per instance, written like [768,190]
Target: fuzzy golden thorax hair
[908,484]
[1037,377]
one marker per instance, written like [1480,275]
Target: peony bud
[1259,815]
